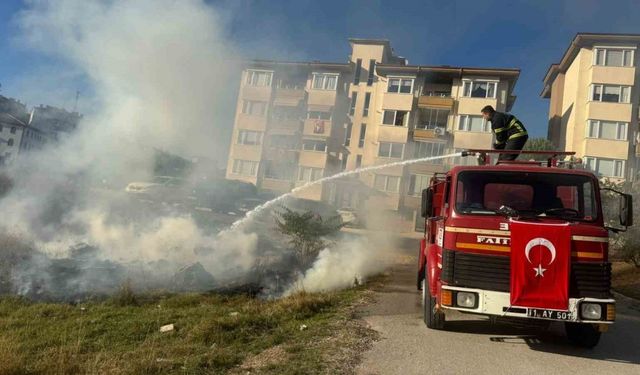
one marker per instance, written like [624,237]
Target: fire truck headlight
[466,299]
[590,311]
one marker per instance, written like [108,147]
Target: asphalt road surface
[471,344]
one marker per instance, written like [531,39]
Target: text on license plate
[549,314]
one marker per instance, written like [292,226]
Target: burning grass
[213,334]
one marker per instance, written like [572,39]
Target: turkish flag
[540,265]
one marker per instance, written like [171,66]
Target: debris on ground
[167,328]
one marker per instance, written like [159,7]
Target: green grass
[213,334]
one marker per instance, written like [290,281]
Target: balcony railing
[440,102]
[429,132]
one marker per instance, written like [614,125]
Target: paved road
[472,344]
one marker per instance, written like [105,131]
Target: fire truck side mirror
[626,210]
[427,203]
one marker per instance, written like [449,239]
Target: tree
[537,144]
[307,232]
[625,244]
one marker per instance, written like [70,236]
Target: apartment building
[593,107]
[299,121]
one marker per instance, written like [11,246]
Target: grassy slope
[213,334]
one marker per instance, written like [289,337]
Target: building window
[13,130]
[429,149]
[354,98]
[605,167]
[319,115]
[363,132]
[278,171]
[254,108]
[367,101]
[432,118]
[613,57]
[372,68]
[607,130]
[245,167]
[358,161]
[345,159]
[479,89]
[259,78]
[395,118]
[10,142]
[391,150]
[309,174]
[314,145]
[470,123]
[356,78]
[285,142]
[390,184]
[400,85]
[285,113]
[417,183]
[437,93]
[325,81]
[347,134]
[610,93]
[248,137]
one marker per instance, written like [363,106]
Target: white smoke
[350,262]
[162,74]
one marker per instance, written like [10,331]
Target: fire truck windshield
[569,197]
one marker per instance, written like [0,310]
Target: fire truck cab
[471,261]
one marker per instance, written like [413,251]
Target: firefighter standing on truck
[509,131]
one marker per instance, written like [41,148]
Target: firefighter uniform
[510,134]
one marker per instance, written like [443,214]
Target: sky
[529,35]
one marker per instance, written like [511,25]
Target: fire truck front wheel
[582,334]
[433,318]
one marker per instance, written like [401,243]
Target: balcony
[317,128]
[439,102]
[609,111]
[429,132]
[613,75]
[322,99]
[251,122]
[289,96]
[260,93]
[281,154]
[284,126]
[315,159]
[282,186]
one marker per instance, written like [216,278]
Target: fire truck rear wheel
[581,334]
[433,318]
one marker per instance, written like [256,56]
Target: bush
[625,245]
[306,232]
[125,295]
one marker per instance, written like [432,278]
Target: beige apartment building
[299,121]
[594,98]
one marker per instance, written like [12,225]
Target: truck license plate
[549,314]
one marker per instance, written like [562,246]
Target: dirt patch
[268,357]
[626,279]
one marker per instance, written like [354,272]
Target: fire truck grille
[491,272]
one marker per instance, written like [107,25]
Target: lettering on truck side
[493,240]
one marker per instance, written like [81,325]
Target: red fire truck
[519,240]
